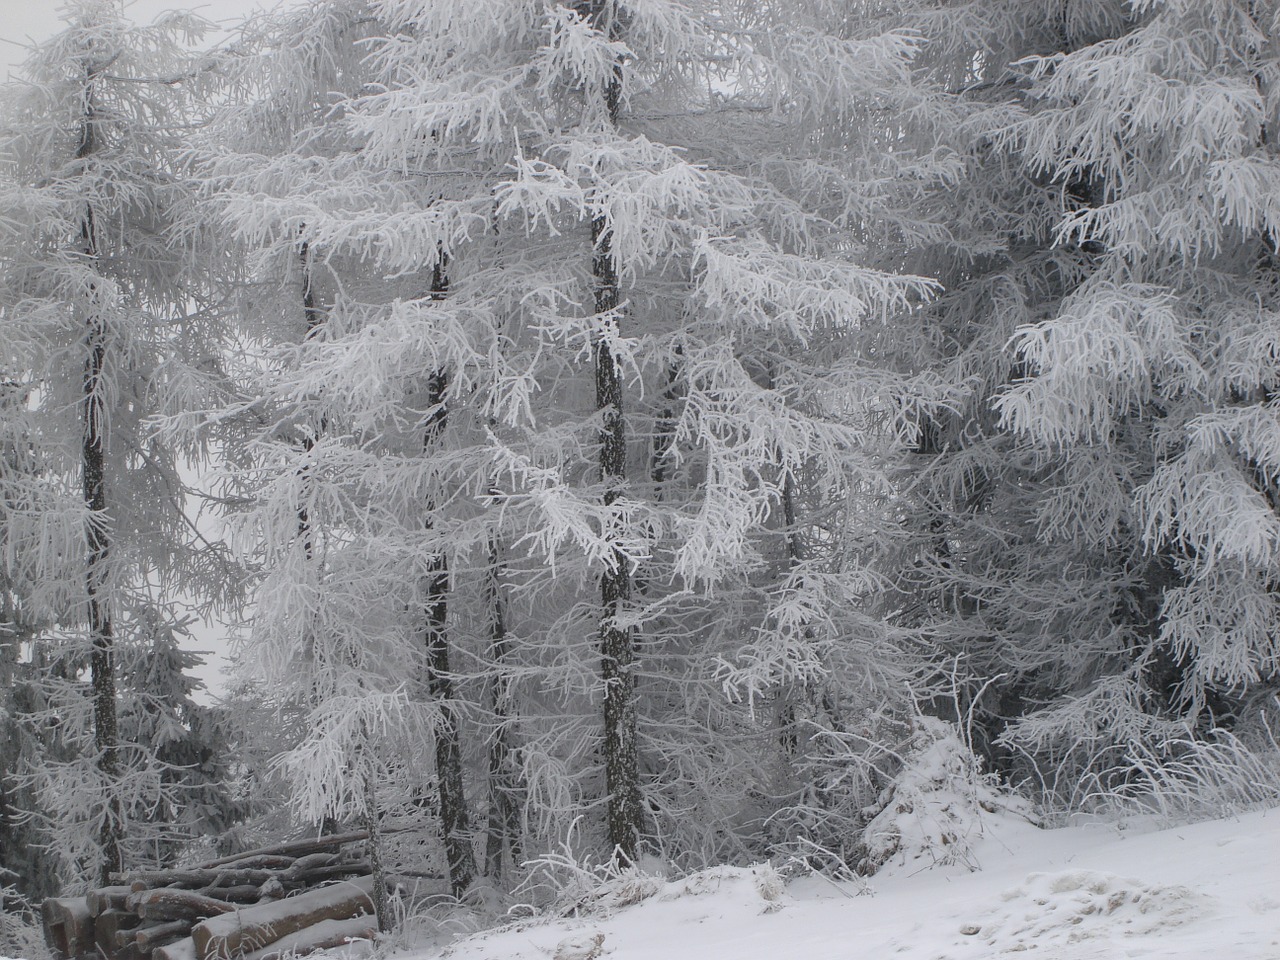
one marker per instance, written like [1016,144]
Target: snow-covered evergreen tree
[187,739]
[1096,504]
[99,334]
[524,202]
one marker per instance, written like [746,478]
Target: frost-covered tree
[99,334]
[187,739]
[28,866]
[324,638]
[559,245]
[1094,512]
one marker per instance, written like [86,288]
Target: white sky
[25,21]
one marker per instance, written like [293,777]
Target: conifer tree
[1096,501]
[98,331]
[187,739]
[538,200]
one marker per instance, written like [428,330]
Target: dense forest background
[635,428]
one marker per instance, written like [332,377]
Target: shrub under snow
[933,809]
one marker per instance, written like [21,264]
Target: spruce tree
[1094,509]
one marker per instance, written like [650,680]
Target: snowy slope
[1191,893]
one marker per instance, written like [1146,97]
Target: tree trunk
[453,798]
[97,530]
[617,645]
[503,832]
[314,317]
[373,848]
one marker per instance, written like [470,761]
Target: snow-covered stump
[252,928]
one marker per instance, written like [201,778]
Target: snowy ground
[1211,890]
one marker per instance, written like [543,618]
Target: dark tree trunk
[314,317]
[373,849]
[97,531]
[617,645]
[665,429]
[503,831]
[453,798]
[661,452]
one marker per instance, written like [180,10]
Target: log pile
[294,897]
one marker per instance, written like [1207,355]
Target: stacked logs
[256,905]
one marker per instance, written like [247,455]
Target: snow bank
[1077,893]
[1051,909]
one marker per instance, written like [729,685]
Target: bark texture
[453,799]
[503,831]
[617,645]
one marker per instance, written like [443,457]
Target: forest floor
[1085,892]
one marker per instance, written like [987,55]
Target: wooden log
[50,920]
[229,935]
[172,903]
[357,868]
[241,893]
[318,936]
[311,861]
[295,848]
[184,949]
[68,926]
[148,938]
[129,938]
[199,878]
[261,861]
[106,898]
[109,925]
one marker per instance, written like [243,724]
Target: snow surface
[1194,892]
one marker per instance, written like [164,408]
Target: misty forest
[621,435]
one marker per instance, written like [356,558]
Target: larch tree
[563,164]
[290,193]
[477,212]
[99,333]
